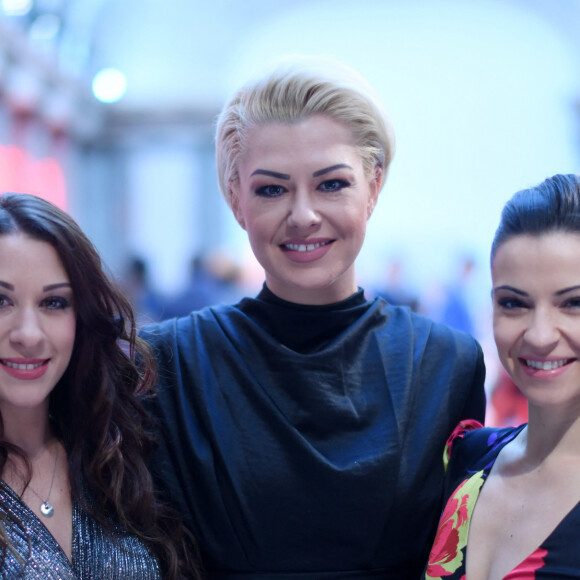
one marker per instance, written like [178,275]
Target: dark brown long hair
[96,408]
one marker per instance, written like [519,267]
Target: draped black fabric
[306,441]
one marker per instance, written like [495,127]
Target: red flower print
[444,549]
[458,433]
[447,551]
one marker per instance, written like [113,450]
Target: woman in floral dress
[513,508]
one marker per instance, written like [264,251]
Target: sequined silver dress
[95,556]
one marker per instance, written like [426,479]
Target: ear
[374,189]
[235,203]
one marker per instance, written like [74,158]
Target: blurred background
[107,108]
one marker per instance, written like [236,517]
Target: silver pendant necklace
[46,508]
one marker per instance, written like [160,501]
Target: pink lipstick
[299,250]
[24,369]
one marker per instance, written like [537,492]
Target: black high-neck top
[306,441]
[304,328]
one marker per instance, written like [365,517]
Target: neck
[552,434]
[30,430]
[315,295]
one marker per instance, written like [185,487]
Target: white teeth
[546,365]
[22,367]
[304,247]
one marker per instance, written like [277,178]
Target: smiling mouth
[304,247]
[22,367]
[547,365]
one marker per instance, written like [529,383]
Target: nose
[542,331]
[302,213]
[27,331]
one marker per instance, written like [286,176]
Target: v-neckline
[538,551]
[44,529]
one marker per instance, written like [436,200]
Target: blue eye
[572,302]
[270,190]
[56,303]
[4,301]
[511,303]
[333,185]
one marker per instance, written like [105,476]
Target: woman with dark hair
[76,497]
[513,507]
[301,429]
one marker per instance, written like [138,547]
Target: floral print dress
[470,454]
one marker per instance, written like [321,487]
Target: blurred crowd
[214,278]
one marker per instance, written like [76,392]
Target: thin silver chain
[45,502]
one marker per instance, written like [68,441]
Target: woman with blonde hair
[300,428]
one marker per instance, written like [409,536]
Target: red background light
[20,172]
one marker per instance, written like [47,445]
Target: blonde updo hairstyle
[297,89]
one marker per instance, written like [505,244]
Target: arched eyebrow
[271,174]
[331,168]
[566,290]
[522,293]
[47,288]
[51,287]
[511,289]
